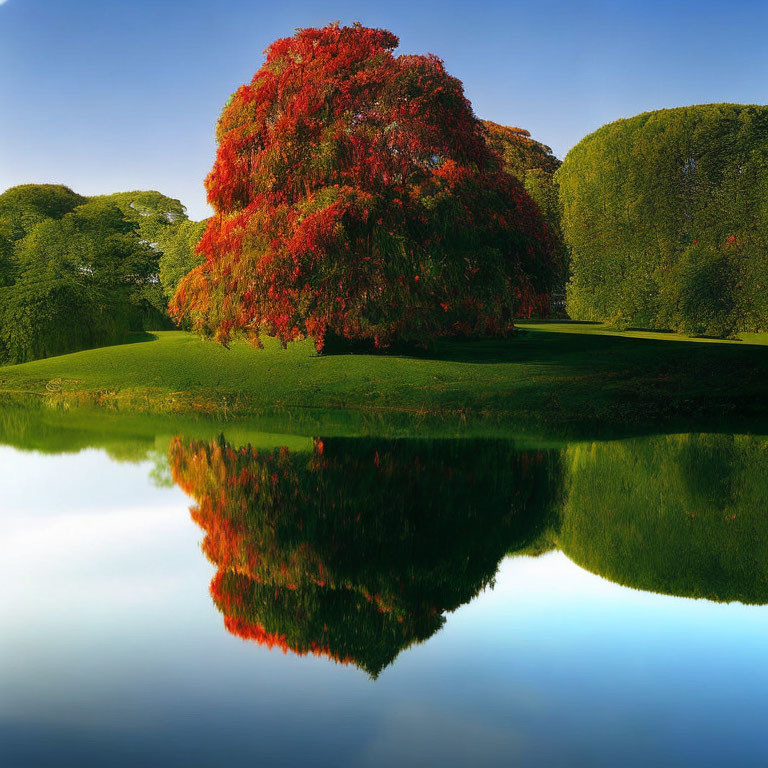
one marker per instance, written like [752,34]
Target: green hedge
[666,216]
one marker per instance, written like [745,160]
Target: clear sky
[110,95]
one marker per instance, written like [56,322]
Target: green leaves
[666,216]
[78,272]
[179,255]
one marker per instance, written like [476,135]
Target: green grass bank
[551,378]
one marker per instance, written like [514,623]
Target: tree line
[79,272]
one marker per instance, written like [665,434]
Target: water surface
[202,599]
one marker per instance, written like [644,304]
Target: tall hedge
[666,215]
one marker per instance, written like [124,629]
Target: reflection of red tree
[357,549]
[231,604]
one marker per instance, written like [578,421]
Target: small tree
[355,194]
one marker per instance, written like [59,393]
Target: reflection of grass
[130,436]
[679,514]
[551,374]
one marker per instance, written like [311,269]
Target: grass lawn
[551,376]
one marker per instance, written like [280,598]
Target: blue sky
[108,95]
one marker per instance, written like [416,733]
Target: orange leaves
[340,168]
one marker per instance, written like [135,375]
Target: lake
[225,595]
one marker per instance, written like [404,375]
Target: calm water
[372,602]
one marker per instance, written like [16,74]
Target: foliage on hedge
[666,216]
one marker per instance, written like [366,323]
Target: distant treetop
[24,206]
[519,151]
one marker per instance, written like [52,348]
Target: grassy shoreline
[552,378]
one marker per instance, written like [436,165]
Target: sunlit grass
[550,373]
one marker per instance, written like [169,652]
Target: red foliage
[355,193]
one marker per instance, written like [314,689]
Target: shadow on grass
[590,350]
[139,337]
[604,384]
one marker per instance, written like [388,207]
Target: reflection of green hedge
[683,515]
[366,538]
[666,215]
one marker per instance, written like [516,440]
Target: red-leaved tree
[355,195]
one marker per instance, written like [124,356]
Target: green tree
[154,214]
[78,272]
[533,164]
[79,277]
[162,223]
[179,255]
[24,206]
[519,152]
[156,217]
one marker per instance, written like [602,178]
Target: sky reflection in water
[112,651]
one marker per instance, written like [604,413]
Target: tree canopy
[355,194]
[519,151]
[153,213]
[666,216]
[179,253]
[26,205]
[533,164]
